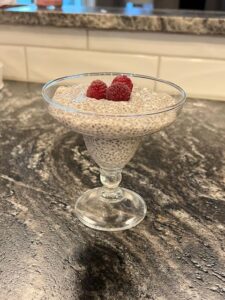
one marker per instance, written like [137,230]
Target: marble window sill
[167,21]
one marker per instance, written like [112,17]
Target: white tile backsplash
[158,44]
[14,62]
[37,53]
[199,77]
[44,36]
[45,64]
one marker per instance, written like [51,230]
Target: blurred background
[179,40]
[172,4]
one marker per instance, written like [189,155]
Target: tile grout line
[26,63]
[87,40]
[158,66]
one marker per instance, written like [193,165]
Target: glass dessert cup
[111,138]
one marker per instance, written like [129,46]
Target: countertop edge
[147,23]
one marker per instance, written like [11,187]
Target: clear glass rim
[73,110]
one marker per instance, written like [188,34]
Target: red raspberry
[123,79]
[97,90]
[118,92]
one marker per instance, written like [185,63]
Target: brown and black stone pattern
[176,253]
[168,21]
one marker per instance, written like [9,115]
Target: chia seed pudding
[112,130]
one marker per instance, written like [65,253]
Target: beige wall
[197,63]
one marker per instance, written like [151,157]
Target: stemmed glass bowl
[111,138]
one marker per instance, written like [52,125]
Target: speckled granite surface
[171,21]
[176,253]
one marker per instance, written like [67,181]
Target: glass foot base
[99,213]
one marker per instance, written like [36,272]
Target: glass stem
[111,180]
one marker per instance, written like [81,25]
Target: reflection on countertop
[127,18]
[176,253]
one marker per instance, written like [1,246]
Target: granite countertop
[176,253]
[170,21]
